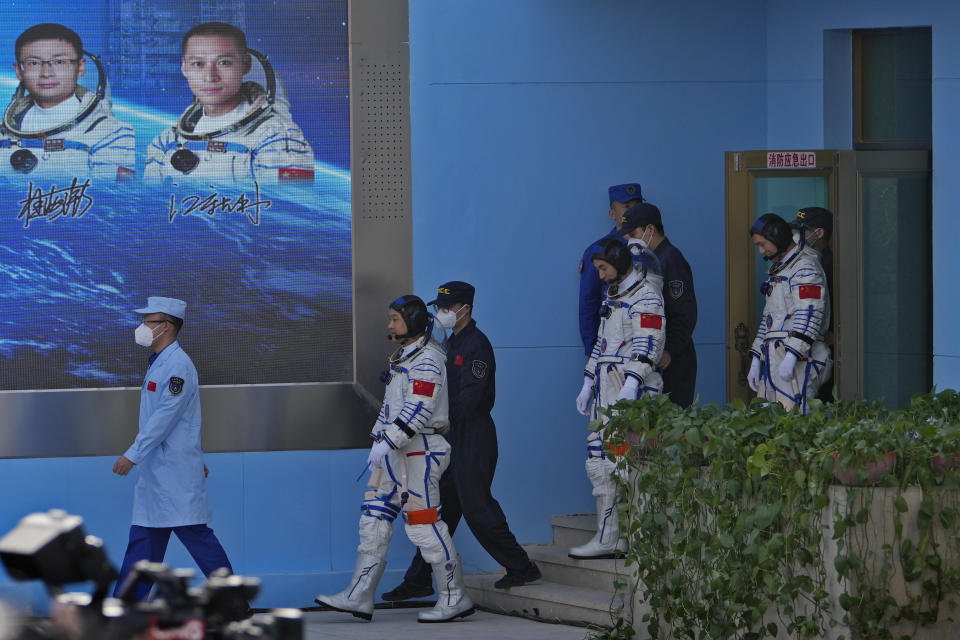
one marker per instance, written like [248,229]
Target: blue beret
[624,192]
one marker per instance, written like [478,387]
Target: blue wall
[523,112]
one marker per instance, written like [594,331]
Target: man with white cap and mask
[171,493]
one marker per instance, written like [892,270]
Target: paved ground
[401,624]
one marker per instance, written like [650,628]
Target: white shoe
[452,599]
[358,597]
[606,543]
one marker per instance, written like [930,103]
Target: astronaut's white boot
[606,543]
[358,597]
[452,599]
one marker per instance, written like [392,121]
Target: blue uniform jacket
[171,490]
[591,295]
[471,376]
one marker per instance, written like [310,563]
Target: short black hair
[216,29]
[48,31]
[174,320]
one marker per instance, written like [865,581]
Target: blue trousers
[150,543]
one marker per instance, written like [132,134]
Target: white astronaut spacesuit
[790,332]
[93,143]
[622,366]
[415,409]
[263,145]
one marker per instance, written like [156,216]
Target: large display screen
[213,168]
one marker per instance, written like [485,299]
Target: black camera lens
[183,160]
[23,161]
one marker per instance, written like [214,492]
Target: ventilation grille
[383,143]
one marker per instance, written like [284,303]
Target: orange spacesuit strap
[423,516]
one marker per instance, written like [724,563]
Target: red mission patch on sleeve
[651,321]
[810,291]
[424,388]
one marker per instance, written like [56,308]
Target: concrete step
[574,529]
[557,567]
[544,600]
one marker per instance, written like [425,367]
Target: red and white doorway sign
[791,160]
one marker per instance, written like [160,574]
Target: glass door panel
[897,297]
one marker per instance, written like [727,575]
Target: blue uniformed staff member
[465,487]
[816,224]
[622,197]
[643,224]
[171,492]
[54,127]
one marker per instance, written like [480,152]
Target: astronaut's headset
[24,160]
[184,160]
[616,253]
[414,313]
[775,229]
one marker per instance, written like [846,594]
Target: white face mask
[447,318]
[643,240]
[144,336]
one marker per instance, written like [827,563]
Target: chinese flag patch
[458,360]
[424,388]
[123,173]
[151,386]
[289,174]
[810,291]
[651,321]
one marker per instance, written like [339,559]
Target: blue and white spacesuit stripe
[415,415]
[795,315]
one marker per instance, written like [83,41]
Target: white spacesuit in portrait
[408,457]
[257,141]
[622,366]
[80,137]
[790,358]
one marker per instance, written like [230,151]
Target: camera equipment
[53,547]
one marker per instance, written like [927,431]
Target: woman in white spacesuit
[233,132]
[54,127]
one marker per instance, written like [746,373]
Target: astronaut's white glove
[753,378]
[629,389]
[787,365]
[378,452]
[583,399]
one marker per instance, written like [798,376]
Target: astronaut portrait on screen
[53,127]
[234,131]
